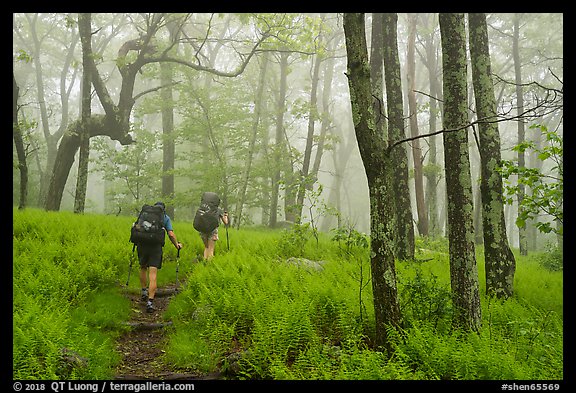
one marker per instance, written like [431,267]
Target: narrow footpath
[142,346]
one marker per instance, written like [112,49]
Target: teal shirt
[167,223]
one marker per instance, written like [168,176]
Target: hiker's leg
[143,277]
[152,288]
[209,252]
[212,242]
[206,247]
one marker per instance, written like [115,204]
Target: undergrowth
[267,308]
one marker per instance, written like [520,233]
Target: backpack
[207,218]
[149,226]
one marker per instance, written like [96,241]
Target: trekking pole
[227,239]
[131,262]
[177,267]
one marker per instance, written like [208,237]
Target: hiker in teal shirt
[150,257]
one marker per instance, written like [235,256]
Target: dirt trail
[142,346]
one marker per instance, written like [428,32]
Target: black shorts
[150,256]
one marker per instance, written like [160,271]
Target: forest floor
[142,346]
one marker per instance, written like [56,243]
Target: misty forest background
[384,129]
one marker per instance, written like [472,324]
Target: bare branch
[239,70]
[154,89]
[494,119]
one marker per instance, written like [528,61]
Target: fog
[215,113]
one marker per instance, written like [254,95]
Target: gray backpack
[207,215]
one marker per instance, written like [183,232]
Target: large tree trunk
[413,107]
[377,165]
[20,150]
[404,221]
[499,260]
[97,125]
[463,269]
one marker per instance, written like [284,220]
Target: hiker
[207,220]
[150,257]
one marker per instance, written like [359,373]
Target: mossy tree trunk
[84,26]
[500,264]
[463,268]
[377,164]
[404,222]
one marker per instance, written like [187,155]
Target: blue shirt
[167,223]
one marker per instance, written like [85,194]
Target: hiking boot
[150,307]
[144,295]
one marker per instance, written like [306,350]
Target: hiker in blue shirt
[150,257]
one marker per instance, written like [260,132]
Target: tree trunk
[433,172]
[534,162]
[82,179]
[499,260]
[97,125]
[258,101]
[266,181]
[168,145]
[279,142]
[463,269]
[84,25]
[377,165]
[305,182]
[326,116]
[521,127]
[413,107]
[377,73]
[404,222]
[478,227]
[20,150]
[341,156]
